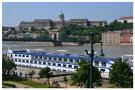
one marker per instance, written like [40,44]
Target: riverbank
[67,43]
[46,43]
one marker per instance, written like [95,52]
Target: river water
[109,51]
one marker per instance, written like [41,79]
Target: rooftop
[122,18]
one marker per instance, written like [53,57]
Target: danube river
[109,51]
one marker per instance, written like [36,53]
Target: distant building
[127,38]
[111,37]
[48,23]
[128,19]
[117,37]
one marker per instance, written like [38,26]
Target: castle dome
[61,14]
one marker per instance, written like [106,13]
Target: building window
[11,55]
[54,64]
[15,54]
[104,64]
[19,55]
[60,59]
[49,63]
[102,70]
[75,67]
[44,62]
[31,61]
[19,60]
[50,58]
[27,61]
[45,57]
[64,65]
[77,60]
[59,64]
[65,60]
[54,59]
[40,57]
[39,62]
[35,62]
[71,60]
[96,63]
[36,56]
[27,55]
[23,55]
[23,60]
[70,66]
[15,59]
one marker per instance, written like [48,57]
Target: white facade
[56,63]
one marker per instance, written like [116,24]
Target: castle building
[48,23]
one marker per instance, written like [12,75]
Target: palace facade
[48,23]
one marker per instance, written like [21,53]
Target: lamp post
[101,52]
[91,62]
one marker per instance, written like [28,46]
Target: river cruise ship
[57,61]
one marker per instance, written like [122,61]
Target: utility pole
[91,61]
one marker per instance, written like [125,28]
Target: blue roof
[63,55]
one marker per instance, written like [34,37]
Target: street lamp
[91,62]
[101,53]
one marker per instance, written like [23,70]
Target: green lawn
[27,82]
[33,84]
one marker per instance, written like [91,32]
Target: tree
[65,80]
[82,76]
[45,73]
[31,73]
[8,66]
[121,74]
[125,21]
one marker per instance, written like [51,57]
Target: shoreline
[67,43]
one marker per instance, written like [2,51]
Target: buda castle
[48,23]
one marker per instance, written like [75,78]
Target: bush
[8,84]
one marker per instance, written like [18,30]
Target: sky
[14,12]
